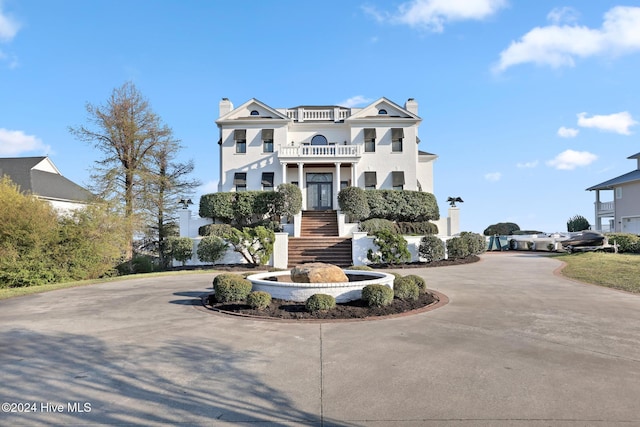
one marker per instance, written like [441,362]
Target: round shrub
[353,201]
[377,295]
[211,249]
[419,281]
[320,302]
[231,287]
[360,267]
[431,248]
[457,248]
[405,289]
[259,300]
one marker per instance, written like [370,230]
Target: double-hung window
[240,181]
[240,136]
[267,140]
[397,135]
[369,140]
[267,181]
[397,180]
[370,181]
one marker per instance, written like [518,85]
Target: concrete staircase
[319,241]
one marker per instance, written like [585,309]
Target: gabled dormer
[252,111]
[384,109]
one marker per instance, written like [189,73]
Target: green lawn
[618,271]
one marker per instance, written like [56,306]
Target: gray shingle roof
[44,184]
[622,179]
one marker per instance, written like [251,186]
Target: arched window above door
[319,140]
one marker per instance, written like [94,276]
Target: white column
[301,184]
[354,174]
[336,187]
[284,173]
[597,216]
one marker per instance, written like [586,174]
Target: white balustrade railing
[606,206]
[302,114]
[321,151]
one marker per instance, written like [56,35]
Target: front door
[319,191]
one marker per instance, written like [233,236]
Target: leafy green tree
[578,223]
[211,248]
[501,229]
[255,244]
[289,202]
[181,248]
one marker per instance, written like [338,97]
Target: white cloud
[558,45]
[355,100]
[568,132]
[570,159]
[493,176]
[433,14]
[528,165]
[8,26]
[618,122]
[15,142]
[559,15]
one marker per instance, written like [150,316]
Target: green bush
[217,206]
[405,289]
[402,205]
[259,300]
[353,202]
[320,302]
[419,281]
[577,223]
[627,242]
[421,227]
[211,248]
[377,295]
[142,264]
[219,230]
[180,248]
[255,244]
[374,225]
[501,229]
[392,248]
[457,248]
[431,248]
[476,243]
[289,200]
[231,287]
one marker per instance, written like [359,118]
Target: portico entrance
[319,191]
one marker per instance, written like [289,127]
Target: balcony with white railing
[605,208]
[334,114]
[320,152]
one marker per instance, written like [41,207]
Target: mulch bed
[290,310]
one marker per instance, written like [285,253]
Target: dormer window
[255,113]
[382,111]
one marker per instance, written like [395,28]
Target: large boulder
[318,272]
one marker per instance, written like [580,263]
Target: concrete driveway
[516,346]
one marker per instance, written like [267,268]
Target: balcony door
[319,191]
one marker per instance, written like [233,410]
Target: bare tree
[128,133]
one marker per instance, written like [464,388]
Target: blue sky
[525,103]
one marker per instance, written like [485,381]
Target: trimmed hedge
[320,302]
[377,295]
[230,287]
[353,201]
[627,242]
[375,225]
[259,300]
[405,289]
[422,227]
[394,205]
[431,248]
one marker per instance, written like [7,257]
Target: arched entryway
[319,191]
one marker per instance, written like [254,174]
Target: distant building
[40,177]
[622,214]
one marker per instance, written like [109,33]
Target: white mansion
[322,149]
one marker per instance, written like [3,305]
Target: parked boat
[584,238]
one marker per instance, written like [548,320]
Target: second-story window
[369,140]
[240,136]
[397,180]
[319,140]
[267,140]
[397,135]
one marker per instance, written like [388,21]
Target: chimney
[225,106]
[411,106]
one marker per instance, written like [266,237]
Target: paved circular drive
[516,345]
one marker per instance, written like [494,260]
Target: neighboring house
[322,149]
[40,177]
[623,213]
